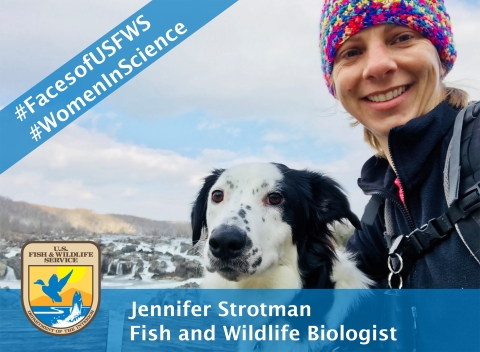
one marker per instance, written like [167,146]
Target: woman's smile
[387,99]
[380,97]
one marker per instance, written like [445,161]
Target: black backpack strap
[464,117]
[406,249]
[468,229]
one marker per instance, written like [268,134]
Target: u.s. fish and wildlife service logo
[60,285]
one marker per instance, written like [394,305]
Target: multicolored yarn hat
[341,19]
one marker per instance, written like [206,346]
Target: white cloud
[208,125]
[280,137]
[233,131]
[82,168]
[129,192]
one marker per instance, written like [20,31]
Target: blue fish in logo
[54,286]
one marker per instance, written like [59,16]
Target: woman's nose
[379,62]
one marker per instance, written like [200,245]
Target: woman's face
[386,75]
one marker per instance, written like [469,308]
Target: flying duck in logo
[70,299]
[54,286]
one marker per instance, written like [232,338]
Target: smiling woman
[385,61]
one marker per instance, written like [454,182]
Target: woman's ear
[198,216]
[335,95]
[443,69]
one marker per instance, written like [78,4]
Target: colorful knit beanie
[341,19]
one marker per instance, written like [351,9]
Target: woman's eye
[351,53]
[274,198]
[404,38]
[217,196]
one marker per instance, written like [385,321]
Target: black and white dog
[266,226]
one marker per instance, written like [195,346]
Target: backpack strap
[466,115]
[389,233]
[406,249]
[469,229]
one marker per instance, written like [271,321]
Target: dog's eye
[274,198]
[217,196]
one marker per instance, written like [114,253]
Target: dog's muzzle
[227,242]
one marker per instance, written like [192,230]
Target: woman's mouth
[387,96]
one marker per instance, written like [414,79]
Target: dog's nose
[227,242]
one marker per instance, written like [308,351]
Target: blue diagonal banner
[98,71]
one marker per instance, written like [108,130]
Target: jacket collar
[412,147]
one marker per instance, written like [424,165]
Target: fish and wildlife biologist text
[246,332]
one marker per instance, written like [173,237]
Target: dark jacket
[418,150]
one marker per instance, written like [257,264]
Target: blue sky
[246,87]
[192,133]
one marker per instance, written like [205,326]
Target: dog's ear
[198,217]
[331,201]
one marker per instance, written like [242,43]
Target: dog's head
[252,212]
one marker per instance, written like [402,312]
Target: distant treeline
[22,217]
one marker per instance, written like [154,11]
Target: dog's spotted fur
[288,245]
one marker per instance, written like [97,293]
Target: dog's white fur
[245,188]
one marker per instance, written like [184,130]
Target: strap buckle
[461,208]
[424,237]
[472,196]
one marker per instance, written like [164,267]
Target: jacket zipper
[402,206]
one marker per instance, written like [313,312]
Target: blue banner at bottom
[259,320]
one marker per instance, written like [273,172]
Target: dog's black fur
[198,216]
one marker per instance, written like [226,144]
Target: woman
[385,61]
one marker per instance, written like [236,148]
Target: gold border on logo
[96,288]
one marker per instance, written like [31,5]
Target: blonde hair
[456,97]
